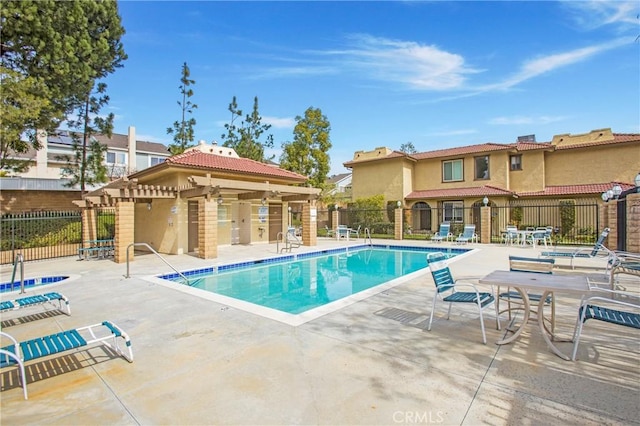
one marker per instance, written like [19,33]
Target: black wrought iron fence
[571,223]
[39,235]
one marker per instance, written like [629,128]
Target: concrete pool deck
[198,362]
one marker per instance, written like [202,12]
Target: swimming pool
[297,288]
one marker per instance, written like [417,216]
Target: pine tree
[182,129]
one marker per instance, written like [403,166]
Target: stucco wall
[531,177]
[593,165]
[376,178]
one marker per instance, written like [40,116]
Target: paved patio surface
[198,362]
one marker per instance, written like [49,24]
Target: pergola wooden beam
[255,187]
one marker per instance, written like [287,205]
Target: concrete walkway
[198,362]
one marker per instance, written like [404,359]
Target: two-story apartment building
[43,186]
[451,184]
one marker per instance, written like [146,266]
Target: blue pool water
[31,282]
[296,284]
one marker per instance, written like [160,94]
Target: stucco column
[124,231]
[633,222]
[309,224]
[612,221]
[207,228]
[89,229]
[397,229]
[485,225]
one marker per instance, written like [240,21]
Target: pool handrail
[367,235]
[19,259]
[186,280]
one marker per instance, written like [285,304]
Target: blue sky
[437,74]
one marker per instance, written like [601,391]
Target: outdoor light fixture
[637,182]
[149,206]
[485,201]
[220,200]
[617,190]
[610,194]
[605,196]
[399,204]
[264,200]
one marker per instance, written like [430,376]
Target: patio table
[547,284]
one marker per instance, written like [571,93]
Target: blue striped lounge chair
[448,290]
[18,354]
[596,251]
[35,300]
[468,235]
[610,306]
[444,233]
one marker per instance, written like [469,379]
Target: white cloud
[416,65]
[544,64]
[279,122]
[593,14]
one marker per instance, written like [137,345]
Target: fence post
[124,230]
[398,223]
[485,225]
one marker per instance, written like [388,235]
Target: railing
[288,244]
[367,236]
[19,259]
[186,280]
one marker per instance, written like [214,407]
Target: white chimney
[132,150]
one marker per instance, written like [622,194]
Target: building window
[482,167]
[516,162]
[452,171]
[155,160]
[453,211]
[116,158]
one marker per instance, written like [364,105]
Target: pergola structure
[188,204]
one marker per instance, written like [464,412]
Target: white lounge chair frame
[20,353]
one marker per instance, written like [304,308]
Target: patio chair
[20,353]
[611,306]
[538,237]
[330,232]
[35,300]
[443,233]
[469,234]
[356,231]
[510,235]
[597,250]
[447,289]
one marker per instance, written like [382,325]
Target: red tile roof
[617,138]
[590,188]
[476,191]
[201,160]
[462,150]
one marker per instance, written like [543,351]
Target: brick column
[125,217]
[207,228]
[335,220]
[633,223]
[89,229]
[397,229]
[485,225]
[309,224]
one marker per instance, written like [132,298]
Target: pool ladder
[18,260]
[367,236]
[290,241]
